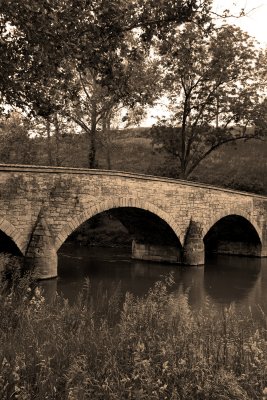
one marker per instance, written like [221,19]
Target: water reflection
[224,279]
[231,279]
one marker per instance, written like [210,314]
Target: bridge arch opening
[146,235]
[9,253]
[7,245]
[234,235]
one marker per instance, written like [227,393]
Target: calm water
[223,280]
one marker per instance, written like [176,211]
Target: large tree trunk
[49,145]
[92,141]
[92,150]
[106,135]
[57,138]
[183,174]
[183,138]
[92,138]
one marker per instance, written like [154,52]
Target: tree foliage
[213,96]
[16,145]
[39,38]
[93,106]
[81,58]
[77,62]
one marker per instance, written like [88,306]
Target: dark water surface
[223,280]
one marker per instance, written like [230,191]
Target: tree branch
[84,87]
[80,123]
[212,148]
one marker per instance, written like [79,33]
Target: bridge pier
[194,250]
[42,262]
[41,255]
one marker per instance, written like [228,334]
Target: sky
[254,22]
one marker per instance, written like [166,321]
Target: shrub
[154,347]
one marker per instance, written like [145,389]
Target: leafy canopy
[41,38]
[213,95]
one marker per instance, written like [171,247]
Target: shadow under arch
[112,204]
[233,234]
[10,234]
[235,212]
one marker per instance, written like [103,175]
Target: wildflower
[37,292]
[164,387]
[165,366]
[146,363]
[16,376]
[5,364]
[140,347]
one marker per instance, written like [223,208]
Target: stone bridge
[41,206]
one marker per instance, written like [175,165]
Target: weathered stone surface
[41,253]
[194,251]
[67,197]
[156,253]
[239,248]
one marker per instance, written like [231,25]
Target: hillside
[241,166]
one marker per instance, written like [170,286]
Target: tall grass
[154,347]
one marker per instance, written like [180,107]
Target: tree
[52,134]
[39,36]
[16,146]
[45,44]
[212,94]
[93,106]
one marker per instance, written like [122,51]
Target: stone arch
[115,203]
[233,234]
[12,233]
[238,213]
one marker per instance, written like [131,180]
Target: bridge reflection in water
[223,279]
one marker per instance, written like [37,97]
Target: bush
[154,347]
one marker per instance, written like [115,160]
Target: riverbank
[110,347]
[103,230]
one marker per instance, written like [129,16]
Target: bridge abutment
[43,262]
[41,255]
[194,249]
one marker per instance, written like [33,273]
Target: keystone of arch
[115,203]
[11,231]
[238,213]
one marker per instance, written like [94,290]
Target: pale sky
[254,22]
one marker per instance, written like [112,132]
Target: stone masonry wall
[65,197]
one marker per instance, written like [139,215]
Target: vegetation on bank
[107,347]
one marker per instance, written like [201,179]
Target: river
[223,280]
